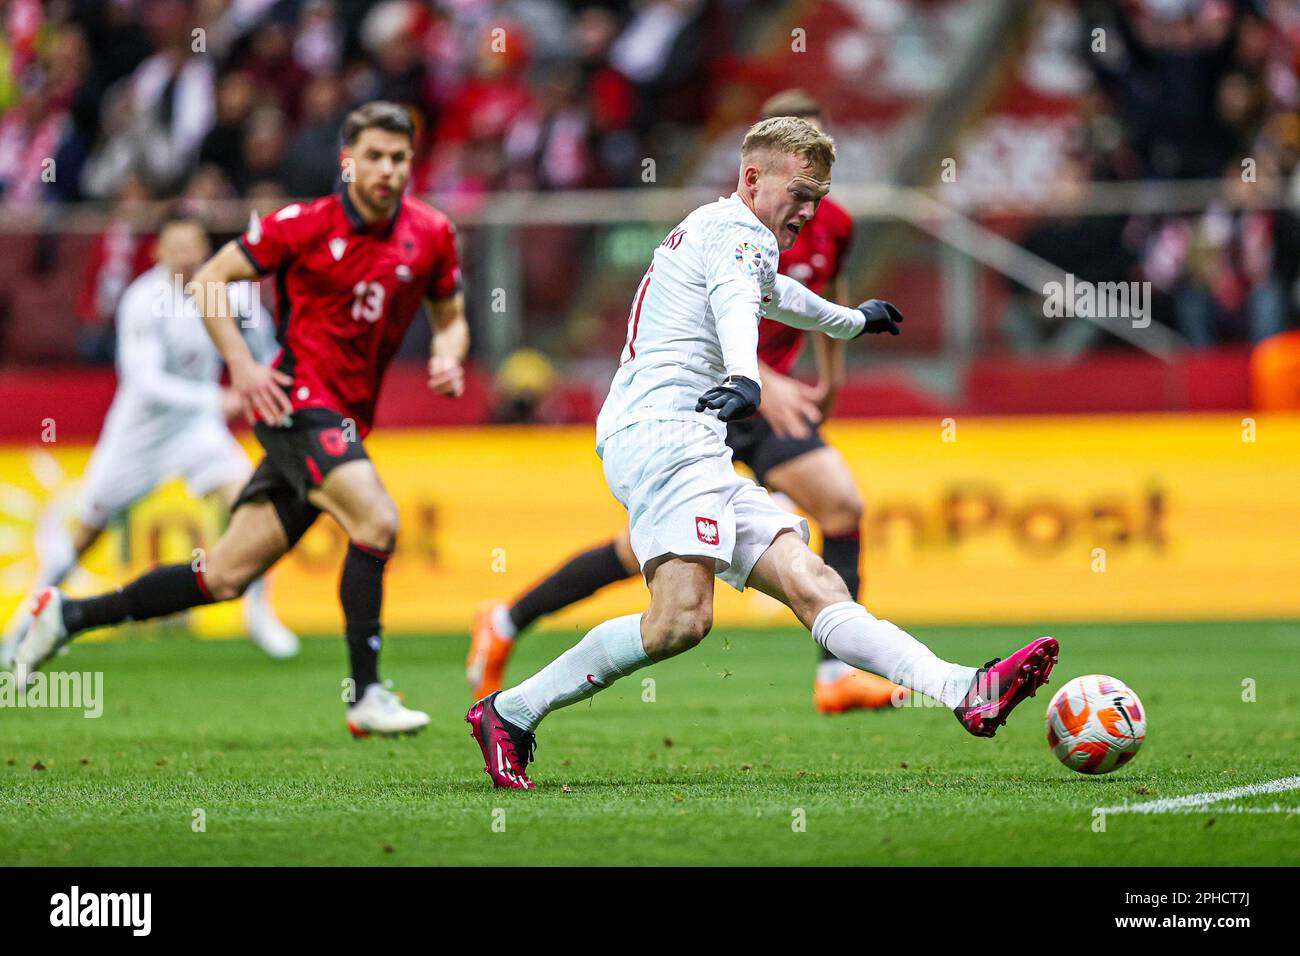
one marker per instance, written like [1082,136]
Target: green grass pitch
[718,769]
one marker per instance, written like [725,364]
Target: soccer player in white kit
[692,349]
[168,417]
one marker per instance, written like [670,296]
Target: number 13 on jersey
[367,301]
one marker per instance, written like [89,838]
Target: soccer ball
[1095,724]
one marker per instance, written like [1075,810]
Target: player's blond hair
[789,135]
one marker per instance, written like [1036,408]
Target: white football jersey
[694,318]
[167,367]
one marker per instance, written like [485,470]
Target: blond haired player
[782,446]
[690,365]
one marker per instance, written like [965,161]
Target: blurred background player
[354,268]
[168,418]
[784,448]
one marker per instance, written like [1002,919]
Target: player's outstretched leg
[982,699]
[679,617]
[498,625]
[252,542]
[820,483]
[839,687]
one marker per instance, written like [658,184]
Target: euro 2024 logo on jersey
[749,258]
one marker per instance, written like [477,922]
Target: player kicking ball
[784,449]
[168,417]
[692,348]
[353,269]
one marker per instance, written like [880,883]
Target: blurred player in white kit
[168,417]
[692,349]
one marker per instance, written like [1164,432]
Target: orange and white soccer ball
[1095,724]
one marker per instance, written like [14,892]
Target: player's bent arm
[258,386]
[450,330]
[828,354]
[450,345]
[735,308]
[255,324]
[732,283]
[736,304]
[805,309]
[213,299]
[840,287]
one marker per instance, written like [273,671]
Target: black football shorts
[298,457]
[754,444]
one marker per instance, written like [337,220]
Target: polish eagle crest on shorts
[706,529]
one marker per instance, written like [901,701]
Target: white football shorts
[131,459]
[683,497]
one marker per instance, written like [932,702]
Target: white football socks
[608,652]
[853,635]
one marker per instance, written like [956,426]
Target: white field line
[1236,808]
[1199,801]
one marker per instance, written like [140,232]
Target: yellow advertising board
[1154,517]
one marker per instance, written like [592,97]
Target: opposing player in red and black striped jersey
[351,270]
[781,445]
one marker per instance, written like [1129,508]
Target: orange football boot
[856,690]
[489,649]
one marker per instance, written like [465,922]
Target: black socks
[580,577]
[361,592]
[165,590]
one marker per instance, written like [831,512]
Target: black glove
[881,316]
[737,397]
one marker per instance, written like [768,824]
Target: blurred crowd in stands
[1190,90]
[244,97]
[124,101]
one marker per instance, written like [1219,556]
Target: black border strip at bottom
[920,906]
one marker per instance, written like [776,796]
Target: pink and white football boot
[507,749]
[1002,684]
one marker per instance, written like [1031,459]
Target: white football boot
[43,637]
[379,711]
[13,633]
[265,630]
[272,638]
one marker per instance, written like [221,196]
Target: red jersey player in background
[352,270]
[781,445]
